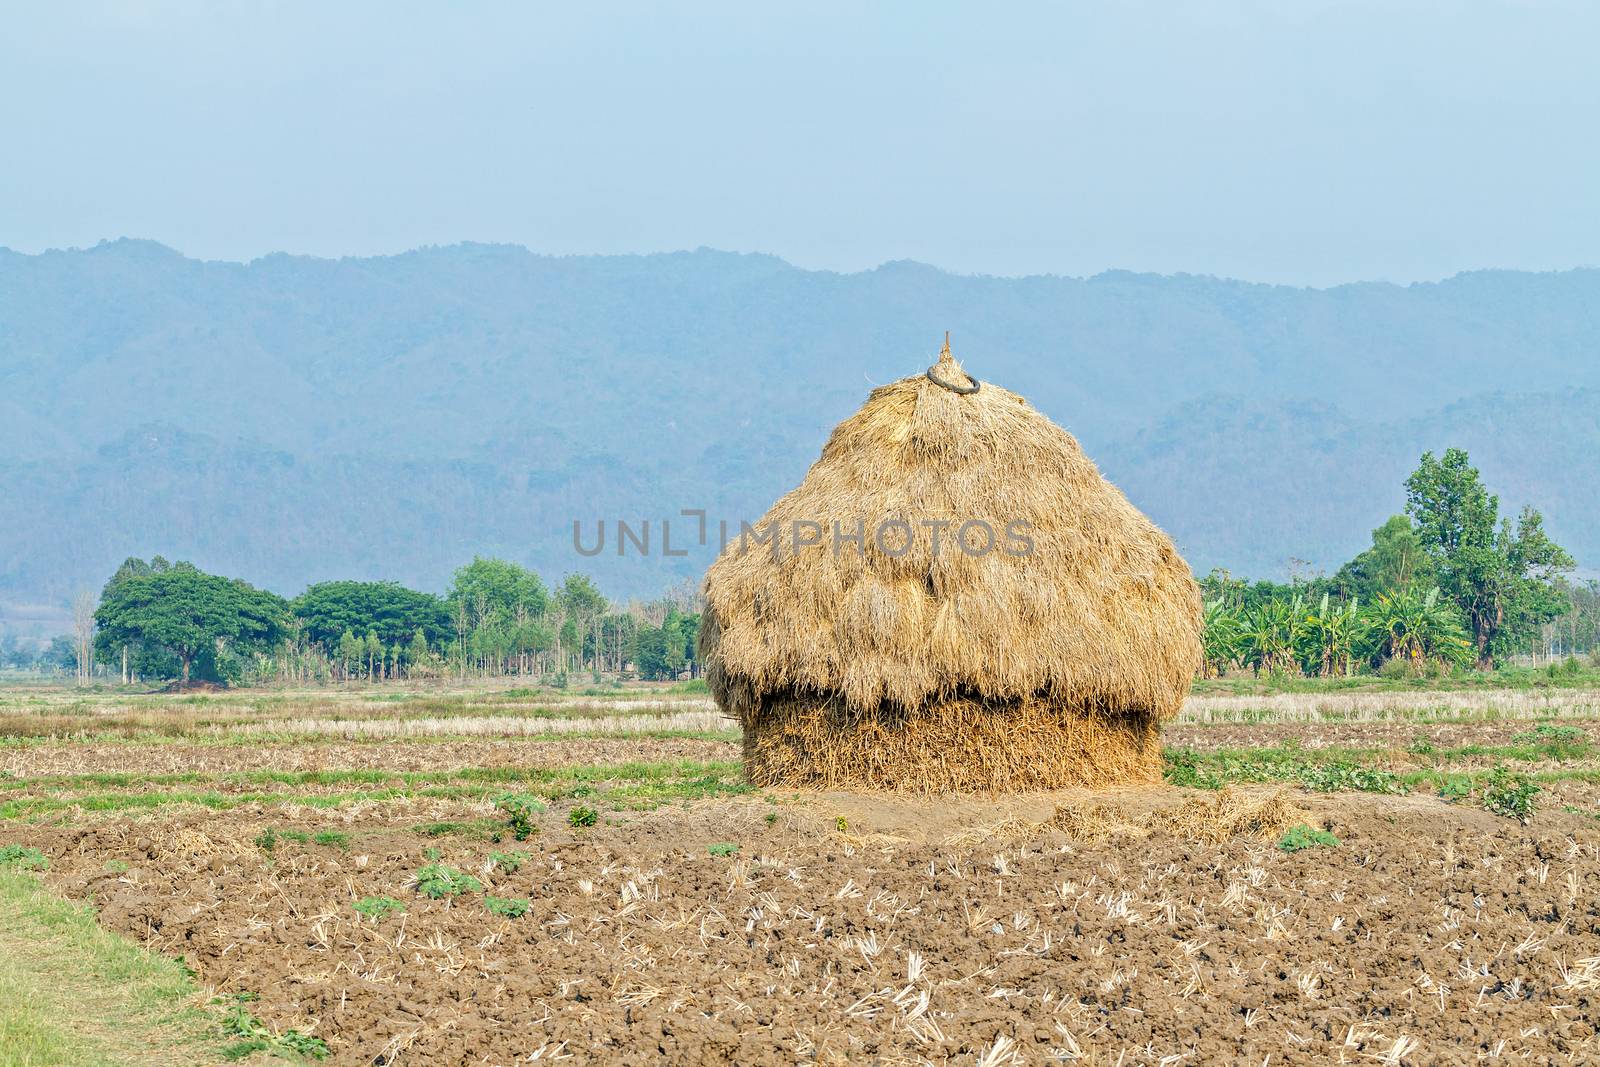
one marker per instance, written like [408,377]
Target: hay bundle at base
[952,599]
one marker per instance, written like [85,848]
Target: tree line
[162,620]
[1448,583]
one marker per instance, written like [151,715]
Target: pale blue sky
[1283,140]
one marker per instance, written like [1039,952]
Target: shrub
[1549,733]
[580,817]
[379,908]
[254,1037]
[437,881]
[722,848]
[267,840]
[1555,742]
[520,809]
[1395,667]
[1340,776]
[1571,666]
[1510,795]
[28,859]
[1298,838]
[507,907]
[507,861]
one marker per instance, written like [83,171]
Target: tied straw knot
[948,373]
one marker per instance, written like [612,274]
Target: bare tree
[83,606]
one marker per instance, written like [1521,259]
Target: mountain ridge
[524,391]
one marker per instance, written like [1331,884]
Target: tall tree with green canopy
[1502,576]
[1395,563]
[387,609]
[191,613]
[500,586]
[136,658]
[584,606]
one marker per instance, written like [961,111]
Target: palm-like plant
[1270,632]
[1330,636]
[1415,628]
[1221,637]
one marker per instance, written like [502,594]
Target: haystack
[953,599]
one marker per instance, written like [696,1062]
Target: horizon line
[1107,273]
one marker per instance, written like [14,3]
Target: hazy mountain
[293,419]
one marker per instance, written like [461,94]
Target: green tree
[1502,576]
[417,655]
[374,653]
[191,613]
[1395,563]
[387,609]
[351,649]
[650,653]
[137,658]
[584,606]
[689,626]
[500,586]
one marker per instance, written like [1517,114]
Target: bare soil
[911,931]
[36,760]
[1397,735]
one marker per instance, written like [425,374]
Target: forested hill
[295,419]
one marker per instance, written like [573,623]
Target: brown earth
[1397,735]
[915,931]
[35,760]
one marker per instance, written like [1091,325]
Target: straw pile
[952,599]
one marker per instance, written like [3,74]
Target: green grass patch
[1321,771]
[74,994]
[629,784]
[23,858]
[247,1036]
[1574,675]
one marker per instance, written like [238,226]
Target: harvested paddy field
[1306,891]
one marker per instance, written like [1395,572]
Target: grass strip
[75,994]
[639,785]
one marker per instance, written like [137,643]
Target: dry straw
[913,665]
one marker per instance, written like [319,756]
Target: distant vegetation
[1448,584]
[386,417]
[159,620]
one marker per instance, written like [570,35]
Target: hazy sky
[1285,140]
